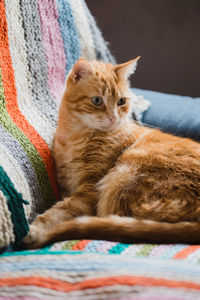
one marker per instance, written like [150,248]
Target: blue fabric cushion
[175,114]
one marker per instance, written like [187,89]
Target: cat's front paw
[33,238]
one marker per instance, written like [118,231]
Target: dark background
[166,33]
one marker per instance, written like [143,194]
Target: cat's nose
[112,118]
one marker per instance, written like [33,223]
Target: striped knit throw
[40,40]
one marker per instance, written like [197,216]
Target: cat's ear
[126,69]
[81,70]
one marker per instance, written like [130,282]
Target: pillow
[175,114]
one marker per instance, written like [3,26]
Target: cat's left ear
[81,70]
[127,69]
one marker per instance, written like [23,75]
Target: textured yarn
[86,269]
[16,212]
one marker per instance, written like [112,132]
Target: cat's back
[155,153]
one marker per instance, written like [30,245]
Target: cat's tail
[124,229]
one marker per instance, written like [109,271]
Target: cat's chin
[103,128]
[109,128]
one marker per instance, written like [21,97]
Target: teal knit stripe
[15,205]
[119,248]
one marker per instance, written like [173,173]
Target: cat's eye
[121,101]
[98,101]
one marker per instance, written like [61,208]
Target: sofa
[39,42]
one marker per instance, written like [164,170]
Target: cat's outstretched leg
[112,198]
[83,202]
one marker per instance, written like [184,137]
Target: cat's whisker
[145,124]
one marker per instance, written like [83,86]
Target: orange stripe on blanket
[186,251]
[12,105]
[81,245]
[59,285]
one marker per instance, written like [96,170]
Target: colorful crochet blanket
[102,270]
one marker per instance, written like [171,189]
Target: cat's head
[98,94]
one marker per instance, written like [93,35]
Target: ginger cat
[119,181]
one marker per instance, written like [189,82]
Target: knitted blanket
[102,270]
